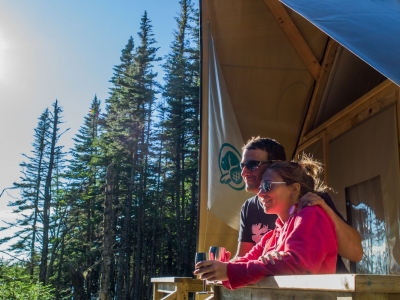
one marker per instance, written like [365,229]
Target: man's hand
[311,199]
[212,270]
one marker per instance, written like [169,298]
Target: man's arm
[244,232]
[349,239]
[242,249]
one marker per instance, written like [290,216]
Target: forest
[98,221]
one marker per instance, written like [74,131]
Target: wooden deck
[313,287]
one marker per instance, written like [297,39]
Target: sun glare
[3,50]
[4,46]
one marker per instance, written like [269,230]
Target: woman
[303,242]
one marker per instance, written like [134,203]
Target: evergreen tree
[53,153]
[31,195]
[181,136]
[125,144]
[146,87]
[116,144]
[40,187]
[84,199]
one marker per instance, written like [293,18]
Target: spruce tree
[28,206]
[53,153]
[116,144]
[40,207]
[85,177]
[125,145]
[181,92]
[146,88]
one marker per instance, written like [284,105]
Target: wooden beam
[294,36]
[320,87]
[377,283]
[370,98]
[310,141]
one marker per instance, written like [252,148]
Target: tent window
[365,212]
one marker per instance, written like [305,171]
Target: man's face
[252,178]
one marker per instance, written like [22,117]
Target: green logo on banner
[229,166]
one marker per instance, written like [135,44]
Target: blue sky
[63,50]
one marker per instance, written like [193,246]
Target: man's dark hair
[271,146]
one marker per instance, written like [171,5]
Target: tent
[320,77]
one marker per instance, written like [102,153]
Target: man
[254,222]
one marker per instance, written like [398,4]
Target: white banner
[226,188]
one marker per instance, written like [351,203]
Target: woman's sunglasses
[254,164]
[266,186]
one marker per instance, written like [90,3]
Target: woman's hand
[212,270]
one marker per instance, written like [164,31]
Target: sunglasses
[266,186]
[254,164]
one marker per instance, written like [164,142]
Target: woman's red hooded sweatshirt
[308,238]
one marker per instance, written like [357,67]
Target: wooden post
[156,294]
[177,288]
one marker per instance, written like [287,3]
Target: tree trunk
[47,198]
[123,261]
[36,203]
[60,265]
[77,282]
[107,255]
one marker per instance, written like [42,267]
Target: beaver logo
[229,166]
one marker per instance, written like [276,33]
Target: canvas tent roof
[368,28]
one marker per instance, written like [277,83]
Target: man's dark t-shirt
[254,223]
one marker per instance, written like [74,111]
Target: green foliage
[151,193]
[17,284]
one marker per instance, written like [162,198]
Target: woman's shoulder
[313,212]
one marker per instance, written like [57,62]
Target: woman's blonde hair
[306,171]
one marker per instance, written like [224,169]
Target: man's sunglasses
[266,186]
[254,164]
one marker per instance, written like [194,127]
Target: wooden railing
[175,288]
[304,287]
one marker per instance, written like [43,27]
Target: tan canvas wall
[363,153]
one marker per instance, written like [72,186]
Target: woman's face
[280,199]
